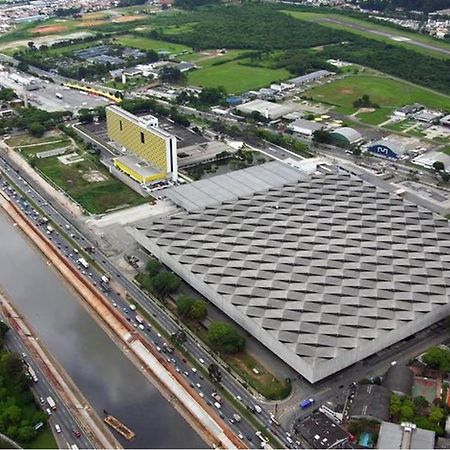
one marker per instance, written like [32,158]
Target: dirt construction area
[50,29]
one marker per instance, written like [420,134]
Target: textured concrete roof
[324,272]
[231,186]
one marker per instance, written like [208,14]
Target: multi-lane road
[70,435]
[71,243]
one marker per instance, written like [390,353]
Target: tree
[322,137]
[164,284]
[7,94]
[407,412]
[3,329]
[85,116]
[437,358]
[395,405]
[31,45]
[199,310]
[36,129]
[438,166]
[14,365]
[184,305]
[153,267]
[12,414]
[171,75]
[436,415]
[26,433]
[224,337]
[214,372]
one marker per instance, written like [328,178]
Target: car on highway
[76,433]
[57,428]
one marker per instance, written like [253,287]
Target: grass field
[44,439]
[387,92]
[236,77]
[26,139]
[321,18]
[151,44]
[96,197]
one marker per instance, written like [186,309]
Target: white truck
[50,229]
[139,319]
[83,262]
[51,403]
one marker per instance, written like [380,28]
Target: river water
[102,372]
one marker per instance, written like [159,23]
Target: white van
[57,428]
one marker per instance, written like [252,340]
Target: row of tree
[223,337]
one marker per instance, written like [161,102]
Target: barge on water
[117,425]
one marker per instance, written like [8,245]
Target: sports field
[323,19]
[236,77]
[143,43]
[386,92]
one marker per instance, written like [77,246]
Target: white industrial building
[429,158]
[305,127]
[269,110]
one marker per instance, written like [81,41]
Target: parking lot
[44,94]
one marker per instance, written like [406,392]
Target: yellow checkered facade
[125,129]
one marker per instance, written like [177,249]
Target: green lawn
[446,150]
[236,77]
[44,439]
[151,44]
[376,117]
[96,197]
[321,18]
[387,92]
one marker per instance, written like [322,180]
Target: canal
[102,372]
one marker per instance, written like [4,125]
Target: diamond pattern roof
[323,266]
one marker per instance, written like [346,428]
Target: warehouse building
[269,110]
[305,127]
[429,158]
[141,139]
[345,136]
[392,146]
[324,270]
[309,78]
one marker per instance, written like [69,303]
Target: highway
[202,356]
[70,433]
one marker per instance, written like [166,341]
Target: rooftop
[405,436]
[371,401]
[308,124]
[135,163]
[321,432]
[348,133]
[265,108]
[399,379]
[310,77]
[324,270]
[140,122]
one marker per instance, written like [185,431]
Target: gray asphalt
[388,35]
